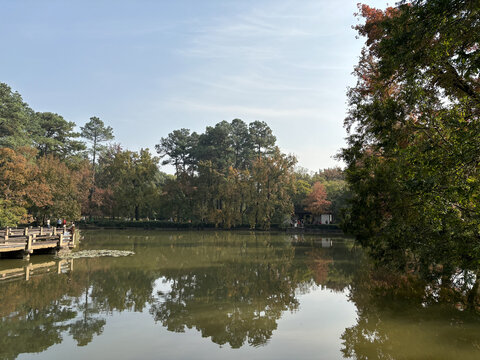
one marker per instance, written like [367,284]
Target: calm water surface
[217,295]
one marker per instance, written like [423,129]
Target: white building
[323,219]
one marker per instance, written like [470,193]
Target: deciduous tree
[413,151]
[316,202]
[20,186]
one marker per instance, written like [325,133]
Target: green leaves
[55,136]
[16,119]
[131,178]
[232,174]
[96,132]
[414,149]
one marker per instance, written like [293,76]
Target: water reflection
[397,319]
[32,315]
[232,289]
[35,269]
[239,299]
[229,287]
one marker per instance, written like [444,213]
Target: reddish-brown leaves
[316,201]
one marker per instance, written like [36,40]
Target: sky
[147,68]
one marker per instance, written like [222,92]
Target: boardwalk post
[60,241]
[25,231]
[59,267]
[6,234]
[29,249]
[41,230]
[54,231]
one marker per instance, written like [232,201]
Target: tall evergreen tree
[55,136]
[96,133]
[16,119]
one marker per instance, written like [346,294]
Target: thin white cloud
[260,34]
[258,83]
[214,50]
[274,63]
[249,111]
[314,67]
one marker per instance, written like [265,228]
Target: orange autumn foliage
[316,202]
[20,185]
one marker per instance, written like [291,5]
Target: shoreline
[322,231]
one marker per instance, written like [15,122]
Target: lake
[217,295]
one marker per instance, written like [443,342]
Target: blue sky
[149,67]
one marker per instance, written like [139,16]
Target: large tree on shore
[316,201]
[55,136]
[97,133]
[413,155]
[262,138]
[271,182]
[16,119]
[21,187]
[131,178]
[178,147]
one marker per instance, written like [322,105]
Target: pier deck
[24,242]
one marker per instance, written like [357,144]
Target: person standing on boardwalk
[48,223]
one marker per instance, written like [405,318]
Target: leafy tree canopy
[413,151]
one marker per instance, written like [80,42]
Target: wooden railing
[30,239]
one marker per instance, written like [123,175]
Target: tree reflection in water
[400,317]
[36,314]
[234,301]
[233,288]
[240,297]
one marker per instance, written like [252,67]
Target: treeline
[50,171]
[232,174]
[43,169]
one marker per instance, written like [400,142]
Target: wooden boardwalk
[23,242]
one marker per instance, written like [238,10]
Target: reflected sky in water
[312,331]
